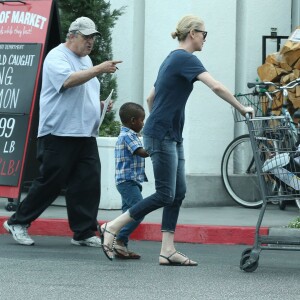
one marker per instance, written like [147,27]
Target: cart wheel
[248,264]
[246,251]
[282,205]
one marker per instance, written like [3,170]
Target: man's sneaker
[93,241]
[19,233]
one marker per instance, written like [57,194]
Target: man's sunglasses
[88,37]
[204,32]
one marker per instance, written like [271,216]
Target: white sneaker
[19,233]
[93,241]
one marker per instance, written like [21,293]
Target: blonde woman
[163,138]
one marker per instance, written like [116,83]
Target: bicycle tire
[238,173]
[297,202]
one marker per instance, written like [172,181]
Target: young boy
[130,170]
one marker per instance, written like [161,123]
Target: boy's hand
[141,152]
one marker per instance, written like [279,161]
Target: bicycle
[238,170]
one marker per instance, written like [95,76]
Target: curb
[185,233]
[285,231]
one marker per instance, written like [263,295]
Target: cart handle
[248,116]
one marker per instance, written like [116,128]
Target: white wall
[208,119]
[232,53]
[128,45]
[295,14]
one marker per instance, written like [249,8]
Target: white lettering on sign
[9,147]
[4,15]
[7,127]
[21,60]
[9,98]
[3,60]
[12,47]
[27,18]
[6,76]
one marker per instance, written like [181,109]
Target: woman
[163,138]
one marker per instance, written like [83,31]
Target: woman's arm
[220,90]
[150,99]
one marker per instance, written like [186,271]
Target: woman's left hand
[248,109]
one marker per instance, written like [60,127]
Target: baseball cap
[84,25]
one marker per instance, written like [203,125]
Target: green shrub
[111,129]
[295,223]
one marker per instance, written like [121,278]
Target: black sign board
[18,68]
[13,129]
[18,71]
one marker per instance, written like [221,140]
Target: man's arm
[81,77]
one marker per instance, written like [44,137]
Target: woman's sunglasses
[204,32]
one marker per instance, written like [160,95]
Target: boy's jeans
[168,161]
[131,193]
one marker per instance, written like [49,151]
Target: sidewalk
[205,225]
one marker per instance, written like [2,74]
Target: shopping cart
[277,159]
[258,101]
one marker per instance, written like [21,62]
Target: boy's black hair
[129,110]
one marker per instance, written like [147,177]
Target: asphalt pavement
[213,236]
[54,269]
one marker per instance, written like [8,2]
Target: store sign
[24,26]
[18,71]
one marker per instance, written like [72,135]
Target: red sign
[25,22]
[24,27]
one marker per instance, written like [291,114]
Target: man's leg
[83,192]
[44,189]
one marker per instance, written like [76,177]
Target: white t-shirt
[74,111]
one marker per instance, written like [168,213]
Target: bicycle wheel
[238,173]
[298,202]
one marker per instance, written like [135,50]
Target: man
[66,148]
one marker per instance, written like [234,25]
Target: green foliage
[105,19]
[111,129]
[295,223]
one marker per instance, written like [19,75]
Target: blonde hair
[185,25]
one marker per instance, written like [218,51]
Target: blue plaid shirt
[128,165]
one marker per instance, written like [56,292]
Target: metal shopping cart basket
[257,101]
[277,162]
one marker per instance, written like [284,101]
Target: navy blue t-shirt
[173,86]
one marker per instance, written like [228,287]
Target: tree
[105,19]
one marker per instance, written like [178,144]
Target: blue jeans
[168,162]
[131,193]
